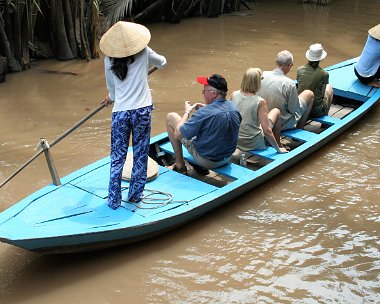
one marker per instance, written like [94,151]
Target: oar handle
[62,136]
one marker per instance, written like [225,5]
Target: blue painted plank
[359,88]
[343,78]
[233,171]
[300,134]
[326,120]
[268,153]
[70,210]
[342,64]
[95,182]
[100,163]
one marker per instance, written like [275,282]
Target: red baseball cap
[216,81]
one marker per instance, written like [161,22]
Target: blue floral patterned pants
[138,123]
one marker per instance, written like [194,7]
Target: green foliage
[116,10]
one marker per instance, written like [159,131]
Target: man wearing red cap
[210,134]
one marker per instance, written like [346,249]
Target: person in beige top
[257,124]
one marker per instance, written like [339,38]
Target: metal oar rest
[44,145]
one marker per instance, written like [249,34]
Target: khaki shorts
[303,106]
[202,161]
[323,108]
[292,123]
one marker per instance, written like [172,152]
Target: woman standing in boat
[257,124]
[126,63]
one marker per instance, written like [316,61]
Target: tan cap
[375,32]
[124,39]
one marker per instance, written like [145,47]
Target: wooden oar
[62,136]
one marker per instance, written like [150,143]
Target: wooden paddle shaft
[84,119]
[62,136]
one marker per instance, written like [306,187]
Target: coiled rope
[155,199]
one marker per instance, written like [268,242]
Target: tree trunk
[83,33]
[24,42]
[5,49]
[60,44]
[69,26]
[3,68]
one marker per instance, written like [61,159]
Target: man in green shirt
[312,77]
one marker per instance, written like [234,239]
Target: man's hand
[189,107]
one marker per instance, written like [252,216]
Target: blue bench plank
[345,82]
[328,120]
[268,153]
[231,170]
[299,134]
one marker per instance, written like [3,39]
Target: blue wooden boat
[73,217]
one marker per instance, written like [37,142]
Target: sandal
[177,169]
[134,201]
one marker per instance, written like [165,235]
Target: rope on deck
[155,199]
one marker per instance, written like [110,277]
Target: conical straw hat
[375,32]
[151,174]
[124,39]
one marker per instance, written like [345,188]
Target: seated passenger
[312,77]
[257,123]
[280,92]
[367,69]
[211,133]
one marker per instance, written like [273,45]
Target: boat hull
[74,217]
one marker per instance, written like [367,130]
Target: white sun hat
[124,39]
[315,52]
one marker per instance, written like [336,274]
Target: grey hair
[284,58]
[221,93]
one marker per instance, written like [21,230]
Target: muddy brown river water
[309,235]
